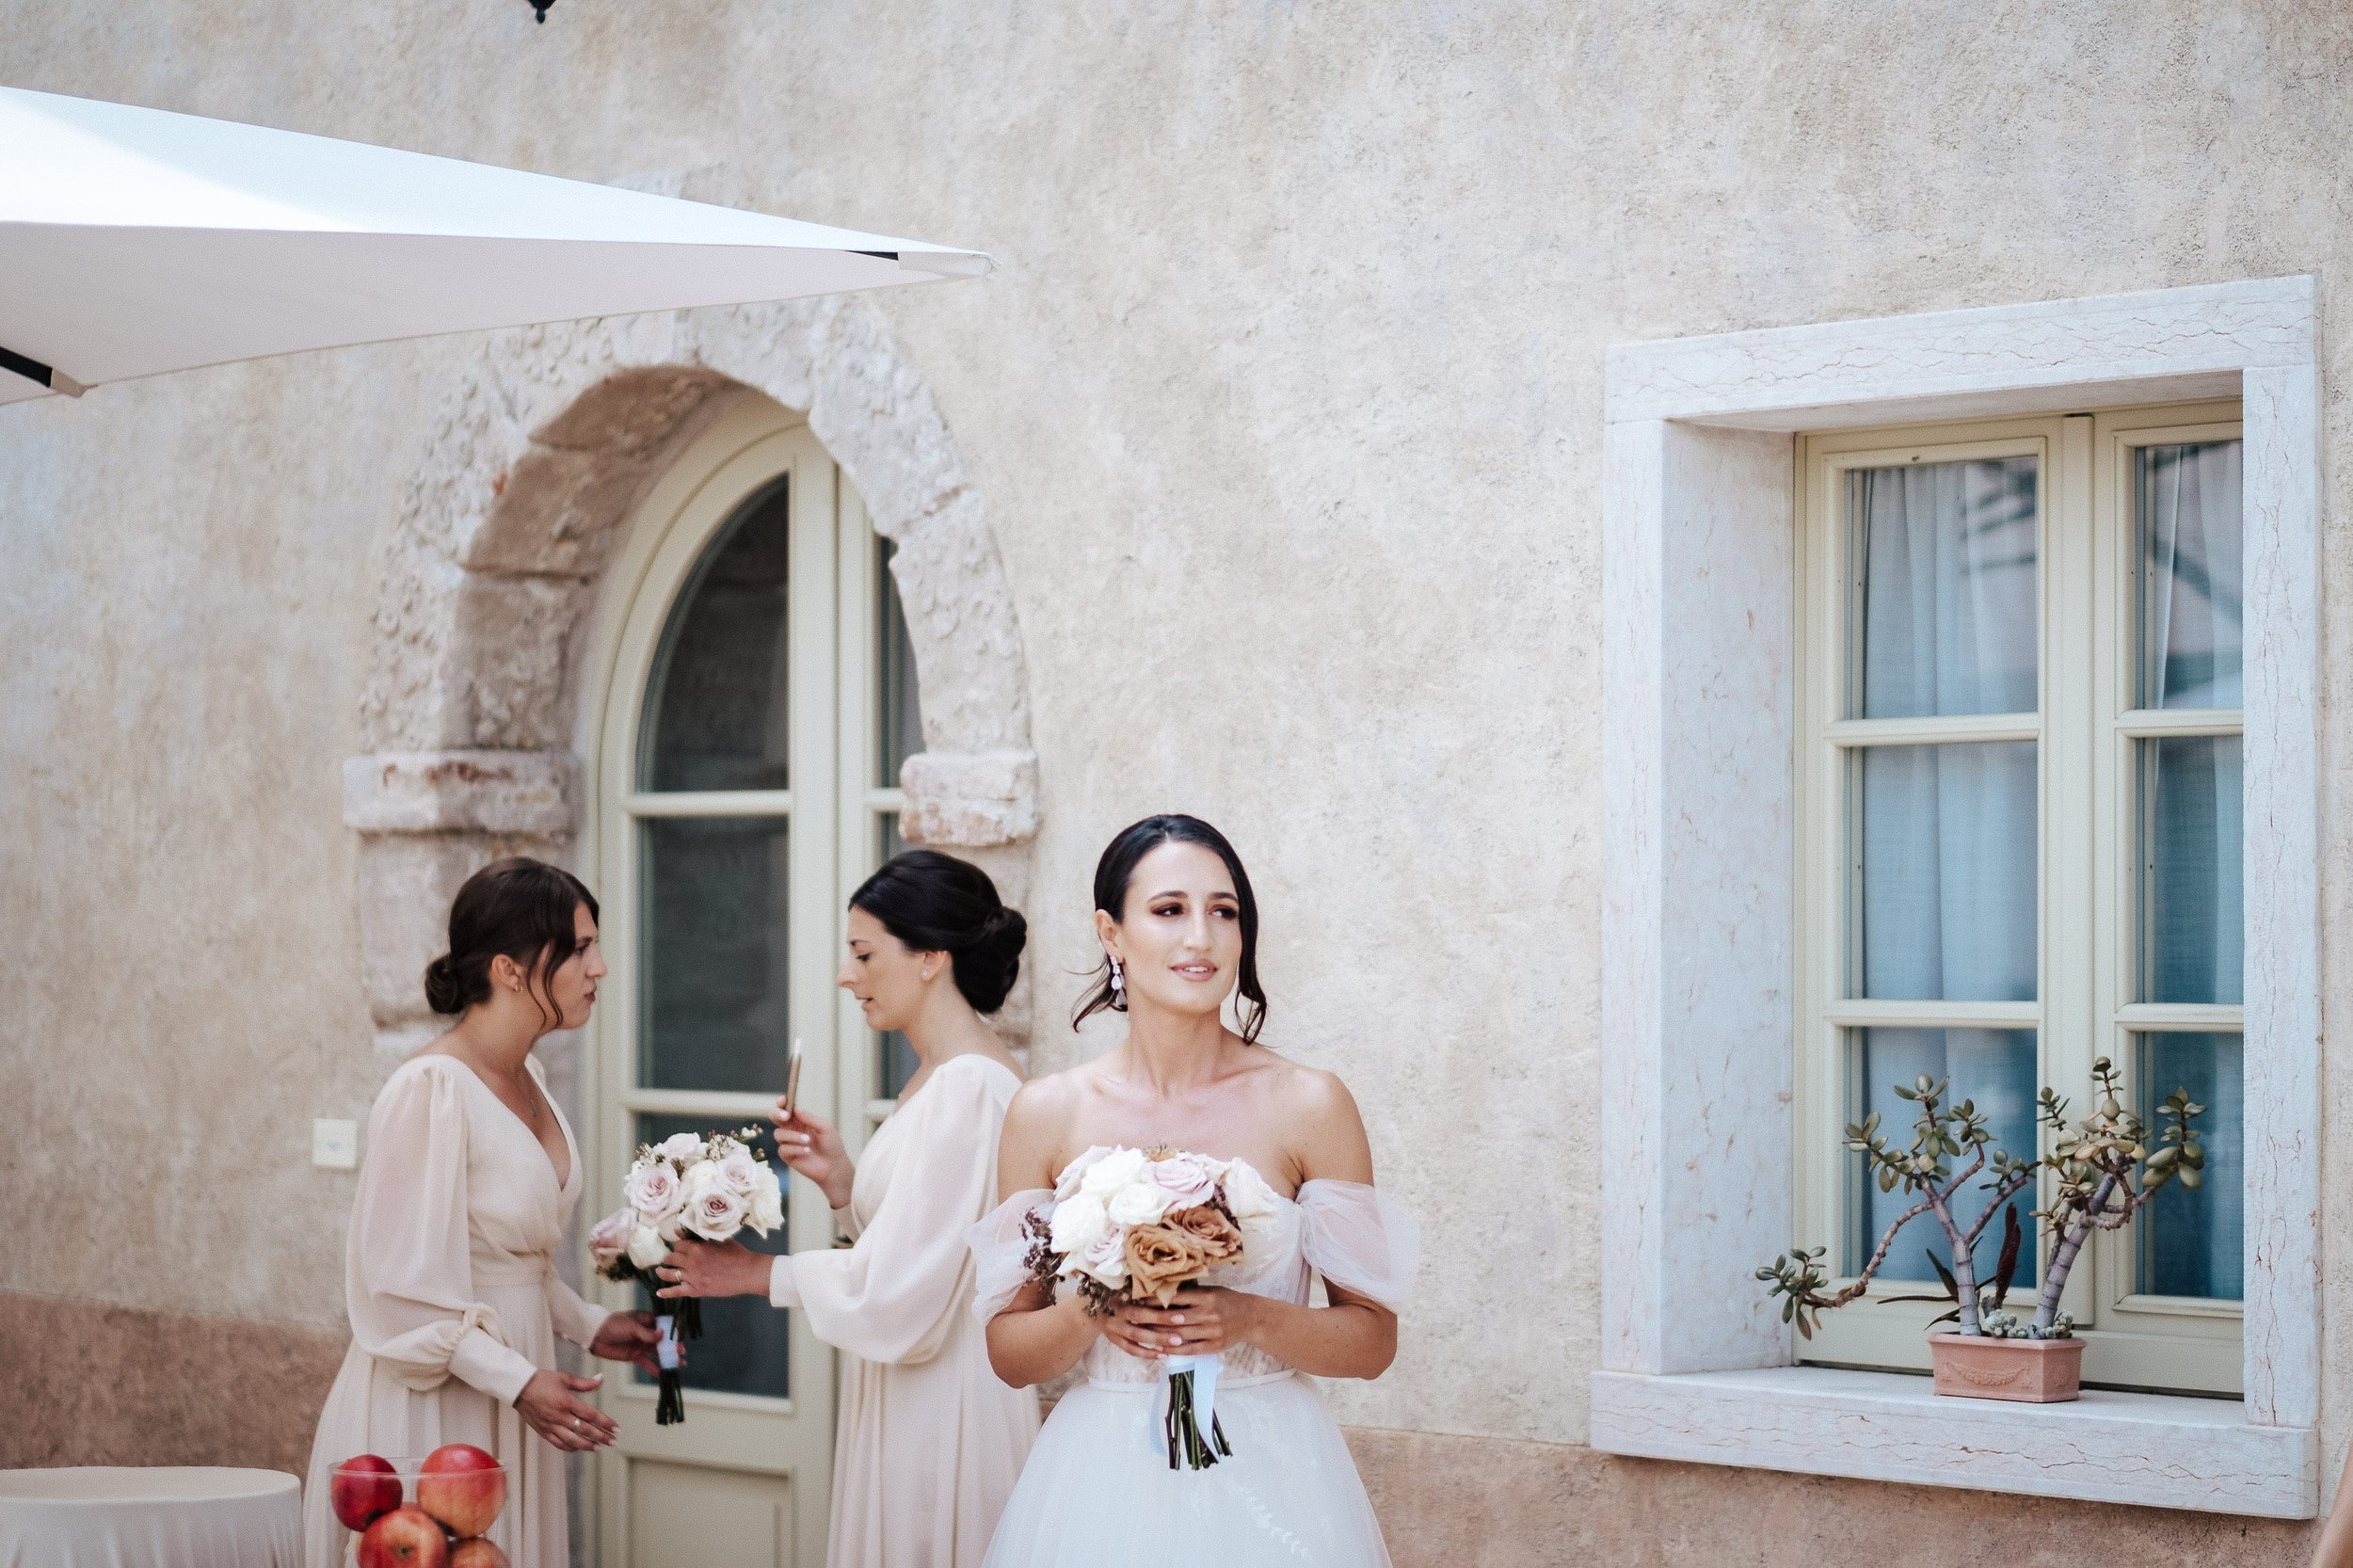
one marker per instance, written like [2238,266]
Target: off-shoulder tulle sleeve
[408,1269]
[1001,1251]
[1360,1240]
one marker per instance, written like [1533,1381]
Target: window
[1714,1081]
[2020,841]
[898,735]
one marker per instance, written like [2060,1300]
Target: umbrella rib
[41,374]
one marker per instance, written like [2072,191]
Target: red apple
[463,1487]
[480,1552]
[405,1538]
[364,1491]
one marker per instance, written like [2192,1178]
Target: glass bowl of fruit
[430,1512]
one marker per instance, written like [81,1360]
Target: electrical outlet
[335,1146]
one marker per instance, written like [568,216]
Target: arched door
[759,695]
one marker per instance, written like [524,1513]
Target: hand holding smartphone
[793,1081]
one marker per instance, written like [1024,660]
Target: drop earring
[1119,987]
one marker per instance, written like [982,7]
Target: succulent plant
[2104,1167]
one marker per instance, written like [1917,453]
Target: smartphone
[793,1079]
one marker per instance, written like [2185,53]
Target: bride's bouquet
[1137,1224]
[686,1185]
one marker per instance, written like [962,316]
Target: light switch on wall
[335,1146]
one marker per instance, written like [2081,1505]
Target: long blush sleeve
[407,1272]
[895,1294]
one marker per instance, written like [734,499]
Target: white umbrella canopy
[134,241]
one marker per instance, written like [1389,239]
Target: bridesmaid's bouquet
[686,1185]
[1141,1224]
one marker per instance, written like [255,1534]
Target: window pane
[896,1057]
[746,1348]
[1947,874]
[715,715]
[1993,1068]
[2195,942]
[715,892]
[1943,572]
[2187,502]
[2194,1243]
[902,718]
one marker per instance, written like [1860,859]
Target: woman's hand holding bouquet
[1136,1231]
[685,1186]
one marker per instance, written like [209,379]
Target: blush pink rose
[655,1191]
[1187,1179]
[610,1240]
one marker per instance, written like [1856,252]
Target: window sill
[2155,1449]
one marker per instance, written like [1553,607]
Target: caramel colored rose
[1162,1260]
[1215,1233]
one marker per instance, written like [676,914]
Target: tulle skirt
[1097,1492]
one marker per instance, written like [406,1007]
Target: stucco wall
[1286,404]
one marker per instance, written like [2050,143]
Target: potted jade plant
[2103,1168]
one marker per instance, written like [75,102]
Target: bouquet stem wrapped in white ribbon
[686,1185]
[1137,1224]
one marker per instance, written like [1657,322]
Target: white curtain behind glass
[1944,569]
[2194,934]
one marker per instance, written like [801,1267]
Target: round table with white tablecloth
[121,1517]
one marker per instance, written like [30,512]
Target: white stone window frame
[1698,675]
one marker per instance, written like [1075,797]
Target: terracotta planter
[2036,1371]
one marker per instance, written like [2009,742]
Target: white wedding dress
[1097,1492]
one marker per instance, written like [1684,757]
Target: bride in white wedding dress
[1178,925]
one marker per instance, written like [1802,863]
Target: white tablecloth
[150,1518]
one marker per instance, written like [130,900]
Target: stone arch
[485,583]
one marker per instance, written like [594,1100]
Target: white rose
[739,1173]
[1250,1200]
[1066,1185]
[767,1203]
[655,1191]
[1138,1203]
[684,1147]
[647,1247]
[1111,1173]
[1077,1221]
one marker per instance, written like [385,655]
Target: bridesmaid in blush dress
[469,1179]
[1179,929]
[929,1441]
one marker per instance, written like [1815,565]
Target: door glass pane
[900,727]
[2193,1243]
[715,892]
[1943,573]
[2194,923]
[745,1347]
[1947,880]
[1993,1067]
[902,718]
[2186,499]
[715,715]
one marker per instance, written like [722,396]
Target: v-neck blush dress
[450,1281]
[929,1441]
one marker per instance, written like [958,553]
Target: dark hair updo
[517,908]
[1116,873]
[935,902]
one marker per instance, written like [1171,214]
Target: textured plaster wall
[1286,404]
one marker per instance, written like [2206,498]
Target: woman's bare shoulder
[1327,1132]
